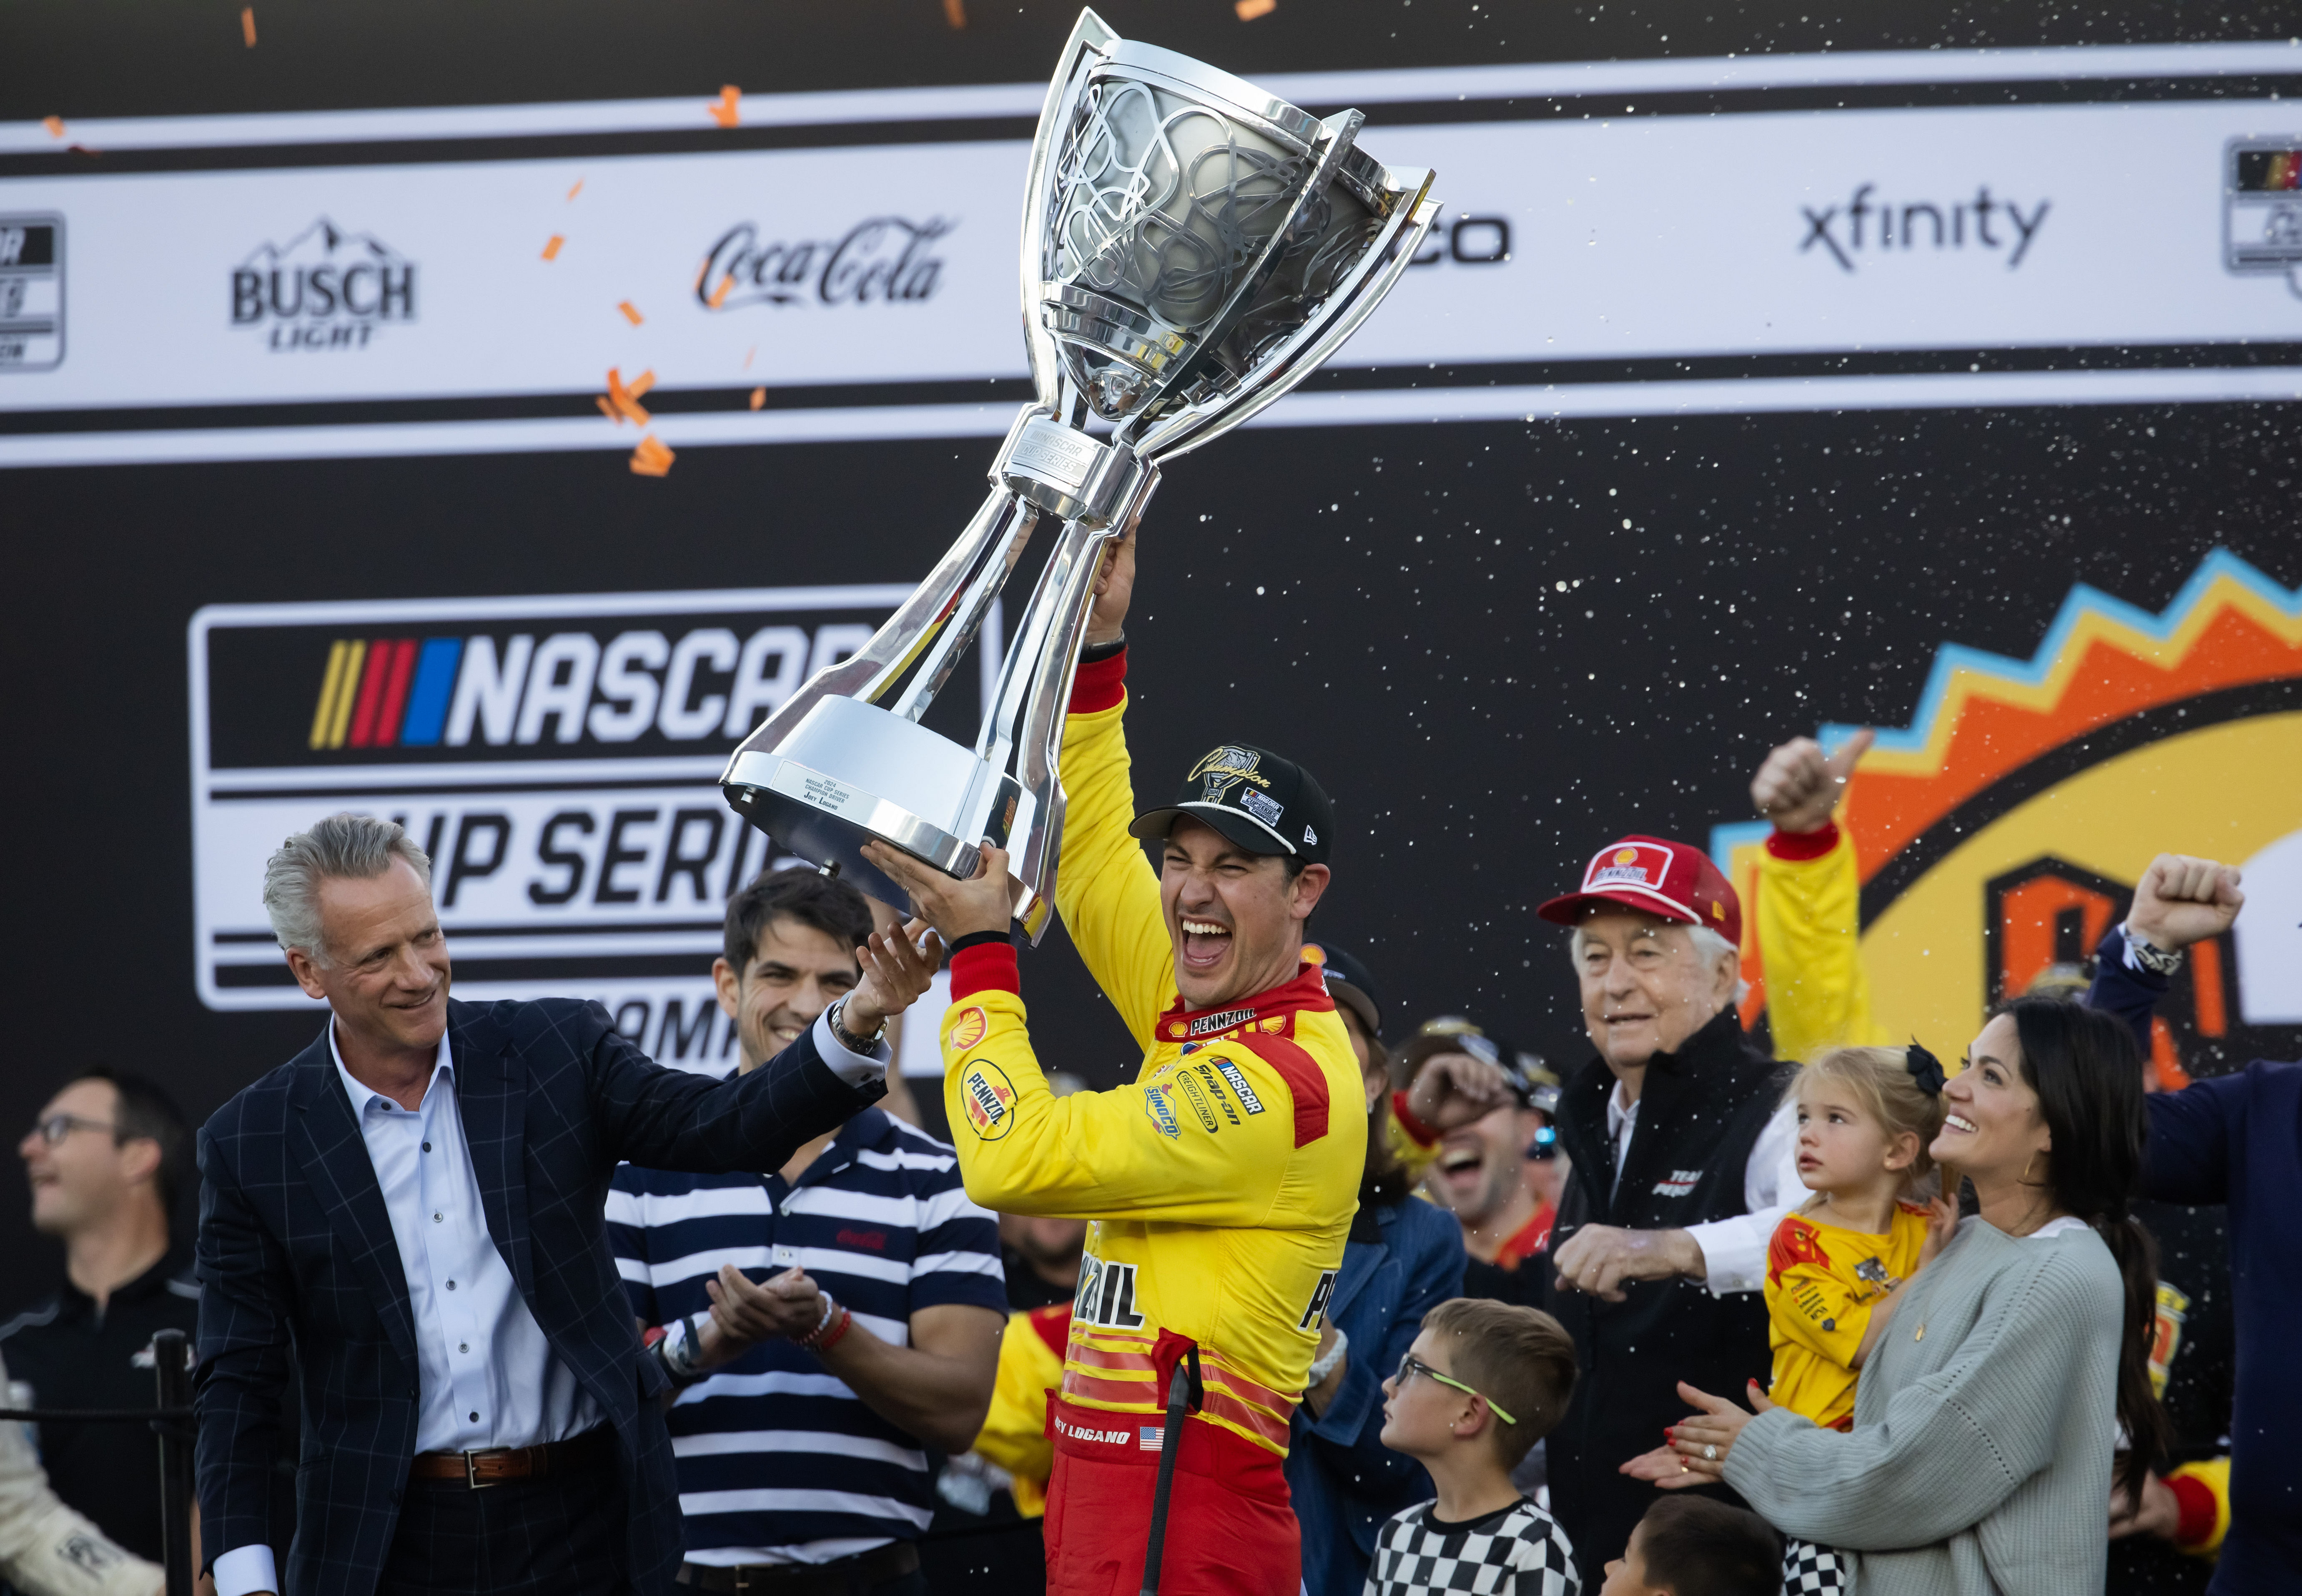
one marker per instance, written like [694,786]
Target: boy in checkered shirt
[1480,1385]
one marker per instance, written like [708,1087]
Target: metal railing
[170,1417]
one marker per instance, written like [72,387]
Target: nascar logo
[557,756]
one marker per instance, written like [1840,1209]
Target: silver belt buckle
[472,1481]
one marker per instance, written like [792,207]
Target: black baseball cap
[1261,800]
[1348,983]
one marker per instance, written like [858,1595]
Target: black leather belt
[837,1578]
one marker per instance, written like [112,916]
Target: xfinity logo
[1865,224]
[885,260]
[326,289]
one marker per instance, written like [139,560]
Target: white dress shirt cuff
[245,1568]
[856,1068]
[1733,1251]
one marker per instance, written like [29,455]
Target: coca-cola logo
[883,260]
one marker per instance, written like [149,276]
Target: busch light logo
[326,289]
[885,260]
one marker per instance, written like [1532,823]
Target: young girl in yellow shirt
[1835,1265]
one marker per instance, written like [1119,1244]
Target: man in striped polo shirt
[830,1323]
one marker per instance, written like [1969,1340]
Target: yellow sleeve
[2213,1474]
[1170,1147]
[1015,1429]
[1413,1157]
[1812,1308]
[1106,890]
[1809,923]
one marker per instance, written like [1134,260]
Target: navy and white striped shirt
[778,1460]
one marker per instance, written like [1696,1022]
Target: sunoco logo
[326,289]
[557,758]
[885,260]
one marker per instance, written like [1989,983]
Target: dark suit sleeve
[2129,994]
[668,1119]
[244,1366]
[2188,1157]
[1349,1434]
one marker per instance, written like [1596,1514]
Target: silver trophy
[1192,249]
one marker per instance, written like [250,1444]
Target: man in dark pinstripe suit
[413,1205]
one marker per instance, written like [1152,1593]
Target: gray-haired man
[415,1200]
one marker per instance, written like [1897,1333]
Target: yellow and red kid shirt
[1822,1281]
[1219,1184]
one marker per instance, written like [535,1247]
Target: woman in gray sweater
[1988,1414]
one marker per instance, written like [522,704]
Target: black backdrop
[1481,730]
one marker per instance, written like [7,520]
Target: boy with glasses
[1482,1384]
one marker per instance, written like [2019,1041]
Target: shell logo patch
[1312,953]
[1627,856]
[967,1028]
[989,1097]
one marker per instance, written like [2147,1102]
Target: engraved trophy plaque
[1192,249]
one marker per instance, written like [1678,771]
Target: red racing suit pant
[1231,1524]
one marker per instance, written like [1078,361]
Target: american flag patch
[1154,1436]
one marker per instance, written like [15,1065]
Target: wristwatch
[2157,961]
[847,1039]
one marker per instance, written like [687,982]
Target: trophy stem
[1002,512]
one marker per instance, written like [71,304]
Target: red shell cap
[1676,880]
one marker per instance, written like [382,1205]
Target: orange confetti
[747,356]
[578,189]
[1248,10]
[55,125]
[727,111]
[607,409]
[551,248]
[759,398]
[719,295]
[954,11]
[651,459]
[247,25]
[626,400]
[631,314]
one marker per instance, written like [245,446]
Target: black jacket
[1700,1110]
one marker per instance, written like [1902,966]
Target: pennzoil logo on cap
[1632,864]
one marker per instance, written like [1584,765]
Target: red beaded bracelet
[825,1335]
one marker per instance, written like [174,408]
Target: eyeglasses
[1410,1365]
[58,1126]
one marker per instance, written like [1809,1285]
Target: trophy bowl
[1192,248]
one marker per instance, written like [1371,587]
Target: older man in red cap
[1683,1162]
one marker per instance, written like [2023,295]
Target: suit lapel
[1661,1094]
[327,1144]
[491,1099]
[1360,1262]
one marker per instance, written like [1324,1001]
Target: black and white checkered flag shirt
[1519,1550]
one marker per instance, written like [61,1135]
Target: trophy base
[850,773]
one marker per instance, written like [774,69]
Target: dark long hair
[2087,1072]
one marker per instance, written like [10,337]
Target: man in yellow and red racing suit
[1220,1182]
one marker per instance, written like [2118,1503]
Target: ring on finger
[1710,1454]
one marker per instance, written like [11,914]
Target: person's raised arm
[2179,901]
[1808,912]
[670,1119]
[1153,1151]
[243,1367]
[1104,889]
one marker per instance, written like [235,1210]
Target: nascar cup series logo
[557,758]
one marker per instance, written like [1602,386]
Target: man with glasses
[106,1160]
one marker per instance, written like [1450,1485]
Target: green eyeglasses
[1410,1365]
